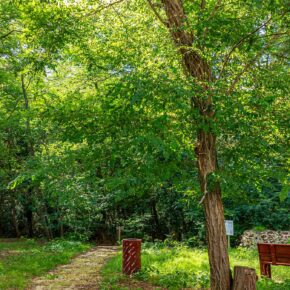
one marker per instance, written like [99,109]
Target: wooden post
[244,278]
[119,232]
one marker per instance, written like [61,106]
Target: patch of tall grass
[181,267]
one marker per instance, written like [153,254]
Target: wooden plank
[274,254]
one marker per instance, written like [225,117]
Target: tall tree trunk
[155,220]
[29,219]
[14,218]
[30,145]
[45,222]
[30,152]
[200,71]
[60,222]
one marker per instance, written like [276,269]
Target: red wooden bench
[273,254]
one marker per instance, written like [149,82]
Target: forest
[149,119]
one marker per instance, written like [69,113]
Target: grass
[182,267]
[21,260]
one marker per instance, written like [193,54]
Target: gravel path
[82,273]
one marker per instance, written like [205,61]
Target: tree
[117,119]
[201,72]
[192,46]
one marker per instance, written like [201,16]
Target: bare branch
[215,9]
[8,33]
[102,7]
[213,13]
[202,199]
[286,33]
[250,63]
[156,13]
[240,42]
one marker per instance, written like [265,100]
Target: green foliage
[25,259]
[97,128]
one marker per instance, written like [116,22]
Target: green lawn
[21,260]
[181,267]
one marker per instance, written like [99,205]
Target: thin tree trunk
[155,219]
[49,226]
[29,219]
[30,151]
[10,145]
[45,228]
[61,229]
[30,144]
[45,224]
[14,219]
[199,70]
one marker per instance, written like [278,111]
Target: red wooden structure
[273,254]
[131,256]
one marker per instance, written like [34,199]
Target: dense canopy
[102,106]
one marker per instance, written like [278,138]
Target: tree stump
[245,278]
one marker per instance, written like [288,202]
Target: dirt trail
[82,273]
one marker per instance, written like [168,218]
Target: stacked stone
[251,238]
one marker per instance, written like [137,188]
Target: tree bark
[30,152]
[61,229]
[29,220]
[197,68]
[14,219]
[30,145]
[245,278]
[45,223]
[155,220]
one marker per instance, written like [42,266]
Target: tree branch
[102,7]
[8,33]
[249,64]
[215,9]
[240,42]
[156,13]
[213,13]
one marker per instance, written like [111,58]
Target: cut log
[244,278]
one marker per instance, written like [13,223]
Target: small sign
[229,227]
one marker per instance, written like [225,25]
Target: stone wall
[251,238]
